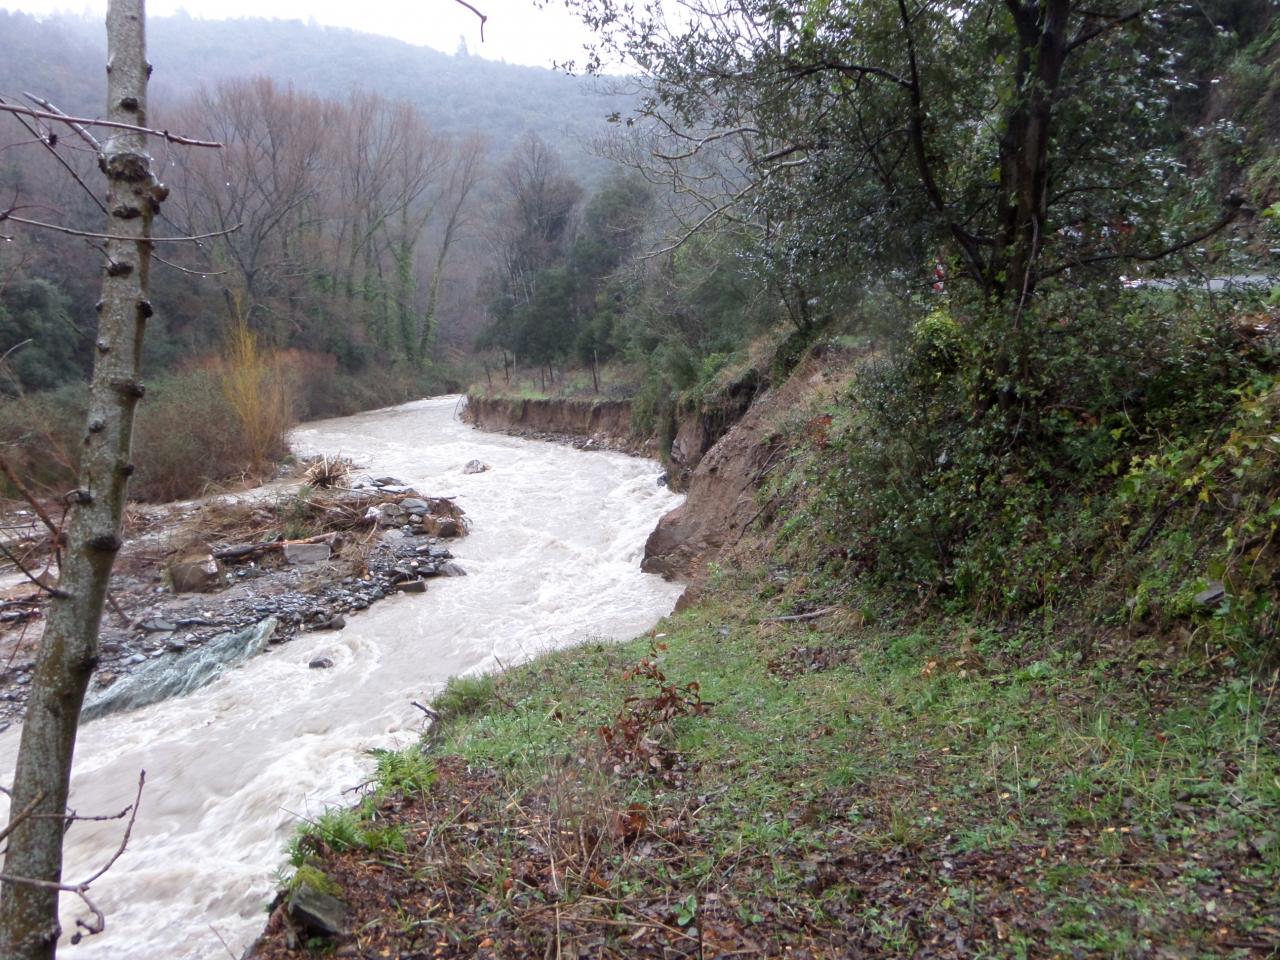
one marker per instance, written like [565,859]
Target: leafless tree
[32,878]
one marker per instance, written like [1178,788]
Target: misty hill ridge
[61,57]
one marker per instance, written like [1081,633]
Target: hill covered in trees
[355,215]
[61,57]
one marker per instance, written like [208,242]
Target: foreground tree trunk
[29,927]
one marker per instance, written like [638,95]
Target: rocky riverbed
[193,574]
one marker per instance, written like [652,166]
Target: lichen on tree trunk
[29,926]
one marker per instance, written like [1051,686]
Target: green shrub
[404,771]
[465,695]
[1004,493]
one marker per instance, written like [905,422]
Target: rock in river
[196,572]
[178,675]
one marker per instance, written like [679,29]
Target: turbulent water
[553,557]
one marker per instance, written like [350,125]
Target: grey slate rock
[305,553]
[1213,596]
[317,913]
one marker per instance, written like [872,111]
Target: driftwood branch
[243,551]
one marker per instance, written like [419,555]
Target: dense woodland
[330,253]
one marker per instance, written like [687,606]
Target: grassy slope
[853,789]
[853,783]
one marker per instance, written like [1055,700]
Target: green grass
[849,783]
[916,741]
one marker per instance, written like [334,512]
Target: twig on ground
[432,714]
[797,617]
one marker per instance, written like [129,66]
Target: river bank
[797,766]
[552,558]
[750,780]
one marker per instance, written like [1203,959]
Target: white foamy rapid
[553,557]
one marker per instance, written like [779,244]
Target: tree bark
[29,927]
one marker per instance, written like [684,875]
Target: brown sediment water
[553,558]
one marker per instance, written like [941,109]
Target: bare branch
[1147,256]
[22,814]
[702,142]
[81,889]
[851,70]
[1108,24]
[84,134]
[124,841]
[5,215]
[49,143]
[114,124]
[719,211]
[190,271]
[52,591]
[11,475]
[483,18]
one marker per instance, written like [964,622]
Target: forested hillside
[354,219]
[457,110]
[62,55]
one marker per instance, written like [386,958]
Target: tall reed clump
[257,385]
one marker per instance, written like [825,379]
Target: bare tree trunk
[29,928]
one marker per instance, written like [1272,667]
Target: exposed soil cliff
[602,424]
[721,451]
[697,427]
[722,501]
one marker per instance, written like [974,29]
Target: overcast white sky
[516,31]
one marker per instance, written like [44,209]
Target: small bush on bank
[186,436]
[260,393]
[212,422]
[464,696]
[38,436]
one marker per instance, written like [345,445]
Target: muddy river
[553,558]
